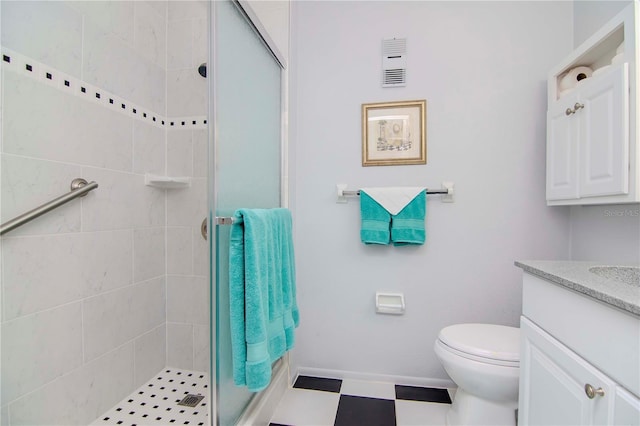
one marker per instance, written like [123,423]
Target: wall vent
[394,62]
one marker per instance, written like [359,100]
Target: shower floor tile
[156,402]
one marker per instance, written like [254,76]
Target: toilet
[484,361]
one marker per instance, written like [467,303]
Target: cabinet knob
[592,392]
[569,111]
[577,106]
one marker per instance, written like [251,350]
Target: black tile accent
[144,114]
[183,123]
[97,95]
[135,111]
[67,83]
[29,67]
[83,90]
[111,101]
[277,424]
[123,106]
[415,393]
[358,410]
[6,58]
[49,76]
[193,122]
[318,383]
[154,119]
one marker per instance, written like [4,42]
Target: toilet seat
[488,343]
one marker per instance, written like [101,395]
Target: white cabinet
[588,139]
[553,380]
[578,361]
[593,148]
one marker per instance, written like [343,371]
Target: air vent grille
[394,77]
[394,62]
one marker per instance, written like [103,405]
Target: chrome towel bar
[79,188]
[447,191]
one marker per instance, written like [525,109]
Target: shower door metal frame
[261,31]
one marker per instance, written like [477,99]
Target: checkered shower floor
[157,401]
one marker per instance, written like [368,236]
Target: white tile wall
[116,18]
[85,288]
[41,272]
[81,396]
[148,253]
[38,348]
[28,182]
[187,10]
[200,153]
[151,33]
[180,252]
[105,57]
[86,133]
[179,153]
[188,207]
[180,345]
[186,92]
[149,149]
[179,46]
[50,32]
[201,348]
[150,354]
[188,300]
[114,318]
[121,201]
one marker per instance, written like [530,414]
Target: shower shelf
[167,182]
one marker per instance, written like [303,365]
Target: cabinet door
[627,411]
[604,135]
[552,384]
[562,155]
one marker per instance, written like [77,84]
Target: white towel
[393,199]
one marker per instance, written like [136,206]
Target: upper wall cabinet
[593,148]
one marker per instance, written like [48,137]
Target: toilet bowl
[483,360]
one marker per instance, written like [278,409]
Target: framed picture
[394,133]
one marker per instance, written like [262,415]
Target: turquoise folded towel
[262,291]
[375,223]
[407,227]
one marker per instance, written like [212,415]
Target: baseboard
[386,378]
[262,406]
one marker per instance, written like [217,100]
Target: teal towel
[407,227]
[262,293]
[376,219]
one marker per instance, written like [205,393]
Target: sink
[625,274]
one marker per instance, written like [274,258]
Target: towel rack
[446,191]
[79,188]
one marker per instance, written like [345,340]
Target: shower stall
[114,305]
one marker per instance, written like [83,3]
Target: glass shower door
[247,163]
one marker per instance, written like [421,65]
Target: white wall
[481,66]
[602,233]
[590,15]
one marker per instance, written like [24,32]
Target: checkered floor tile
[316,401]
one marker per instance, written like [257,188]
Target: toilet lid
[489,341]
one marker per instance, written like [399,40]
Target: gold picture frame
[394,133]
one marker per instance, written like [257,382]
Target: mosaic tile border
[13,61]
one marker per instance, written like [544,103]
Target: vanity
[580,344]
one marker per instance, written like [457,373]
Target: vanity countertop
[576,276]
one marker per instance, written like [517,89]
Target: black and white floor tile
[315,401]
[157,401]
